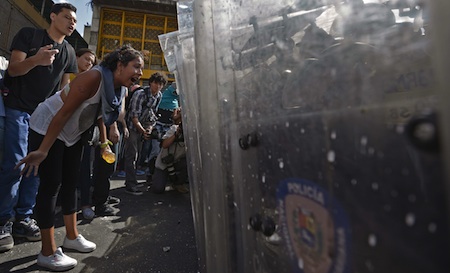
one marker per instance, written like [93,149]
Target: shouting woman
[56,127]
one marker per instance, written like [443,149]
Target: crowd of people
[67,129]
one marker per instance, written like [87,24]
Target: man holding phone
[41,63]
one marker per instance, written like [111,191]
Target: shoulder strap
[147,98]
[36,43]
[158,100]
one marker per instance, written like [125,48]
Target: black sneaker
[27,228]
[113,200]
[104,210]
[134,191]
[149,180]
[6,240]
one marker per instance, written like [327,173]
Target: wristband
[106,143]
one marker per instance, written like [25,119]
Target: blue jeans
[161,177]
[17,193]
[151,147]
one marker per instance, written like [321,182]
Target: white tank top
[79,122]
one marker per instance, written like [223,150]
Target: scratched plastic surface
[312,136]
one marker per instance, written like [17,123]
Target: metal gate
[140,30]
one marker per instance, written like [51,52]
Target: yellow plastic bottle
[108,156]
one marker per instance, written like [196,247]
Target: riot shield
[315,136]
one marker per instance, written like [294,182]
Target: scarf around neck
[111,98]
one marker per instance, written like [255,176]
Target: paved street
[150,233]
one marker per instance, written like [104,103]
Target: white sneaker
[80,244]
[57,262]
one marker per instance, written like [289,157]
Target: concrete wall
[95,28]
[13,16]
[87,33]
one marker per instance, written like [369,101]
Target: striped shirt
[142,101]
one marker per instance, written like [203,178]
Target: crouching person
[170,165]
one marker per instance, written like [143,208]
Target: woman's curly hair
[124,54]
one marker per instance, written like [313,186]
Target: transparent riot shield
[167,42]
[179,52]
[315,136]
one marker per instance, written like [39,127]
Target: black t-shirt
[27,91]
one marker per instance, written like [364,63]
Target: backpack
[38,37]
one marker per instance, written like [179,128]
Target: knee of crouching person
[159,181]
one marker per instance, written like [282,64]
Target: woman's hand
[104,149]
[107,154]
[32,162]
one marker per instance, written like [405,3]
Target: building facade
[138,23]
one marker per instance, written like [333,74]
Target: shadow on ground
[158,236]
[151,233]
